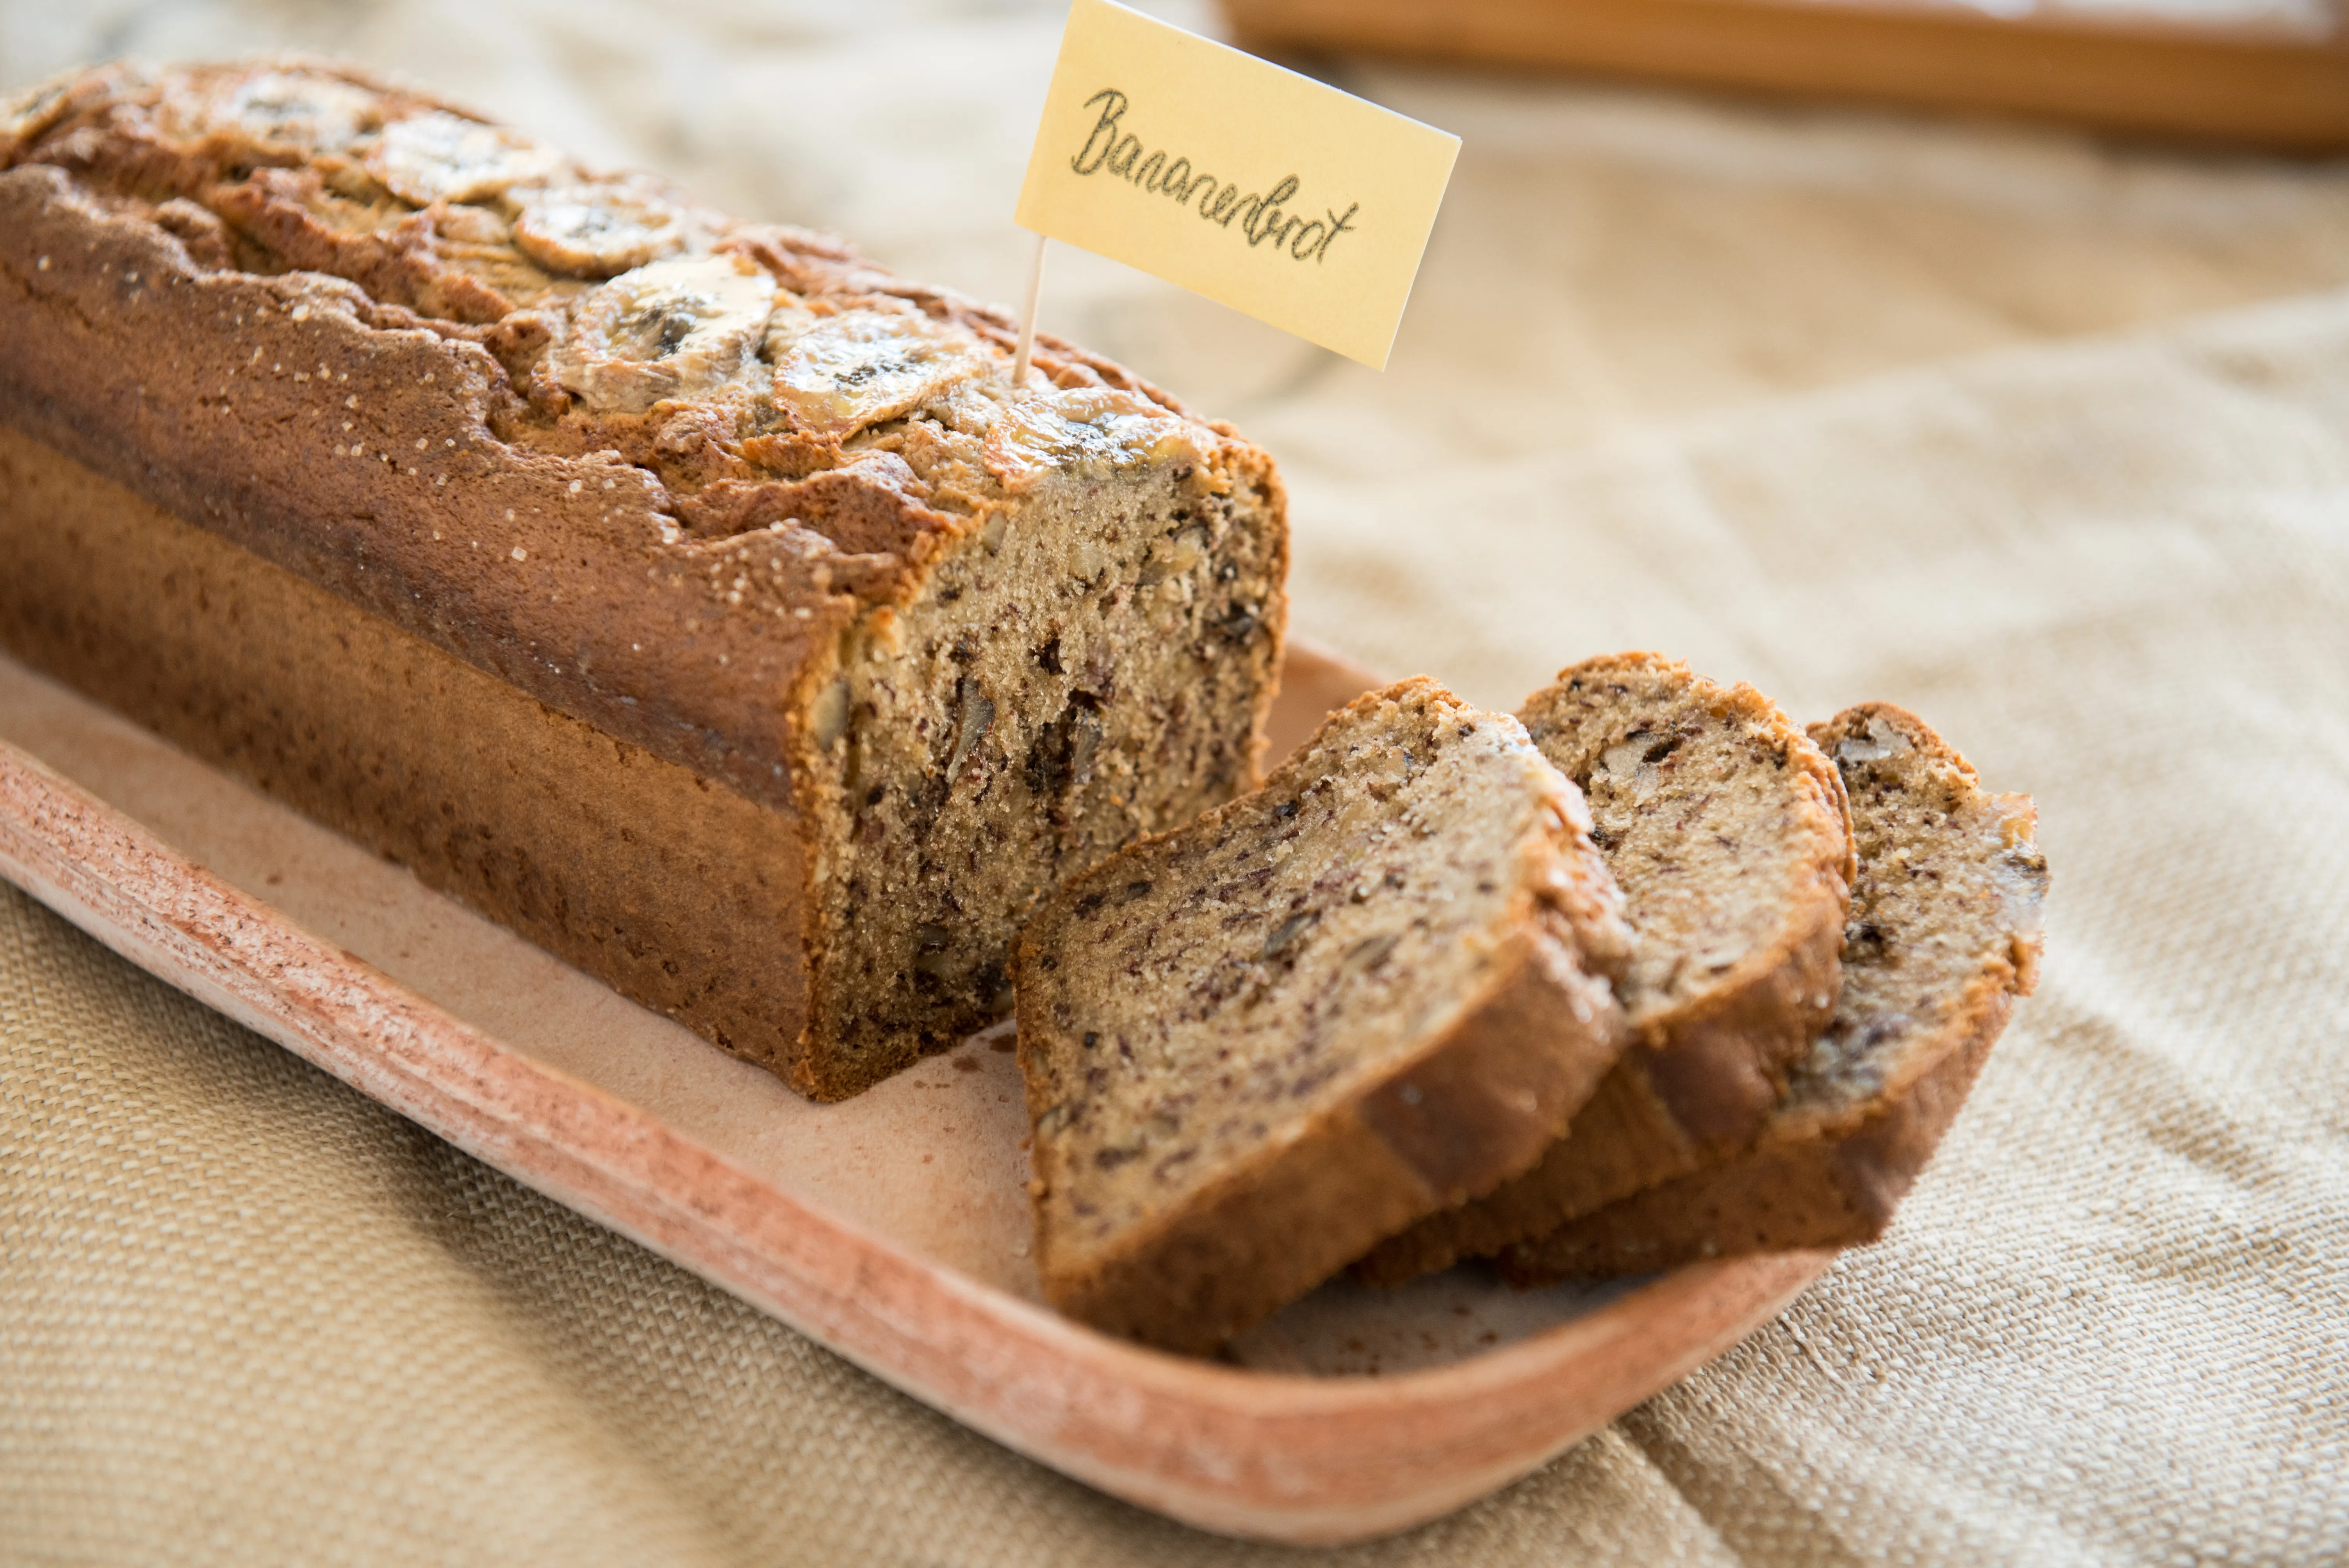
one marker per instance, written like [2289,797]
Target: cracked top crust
[642,459]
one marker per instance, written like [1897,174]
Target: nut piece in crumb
[595,231]
[439,157]
[671,329]
[837,374]
[1875,738]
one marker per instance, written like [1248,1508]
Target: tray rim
[1268,1455]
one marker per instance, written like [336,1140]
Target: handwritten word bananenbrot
[1110,150]
[1313,207]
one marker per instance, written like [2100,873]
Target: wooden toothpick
[1027,318]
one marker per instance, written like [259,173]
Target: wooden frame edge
[2253,89]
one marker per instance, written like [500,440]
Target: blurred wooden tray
[2266,75]
[892,1228]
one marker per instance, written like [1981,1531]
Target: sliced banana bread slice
[1944,935]
[1257,1045]
[1725,826]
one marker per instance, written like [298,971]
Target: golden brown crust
[680,894]
[372,437]
[1852,1132]
[223,397]
[1705,1070]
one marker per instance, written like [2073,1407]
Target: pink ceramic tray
[892,1228]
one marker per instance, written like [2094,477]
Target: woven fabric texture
[2046,439]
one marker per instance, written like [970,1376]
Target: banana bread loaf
[1726,830]
[690,595]
[1254,1045]
[1944,935]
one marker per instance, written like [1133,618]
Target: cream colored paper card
[1299,205]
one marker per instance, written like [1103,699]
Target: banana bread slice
[1257,1045]
[1944,935]
[1725,828]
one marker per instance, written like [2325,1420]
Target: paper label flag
[1299,205]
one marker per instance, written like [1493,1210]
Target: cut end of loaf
[1088,664]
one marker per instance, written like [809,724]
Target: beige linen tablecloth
[2046,439]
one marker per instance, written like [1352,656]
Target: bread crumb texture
[1208,1002]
